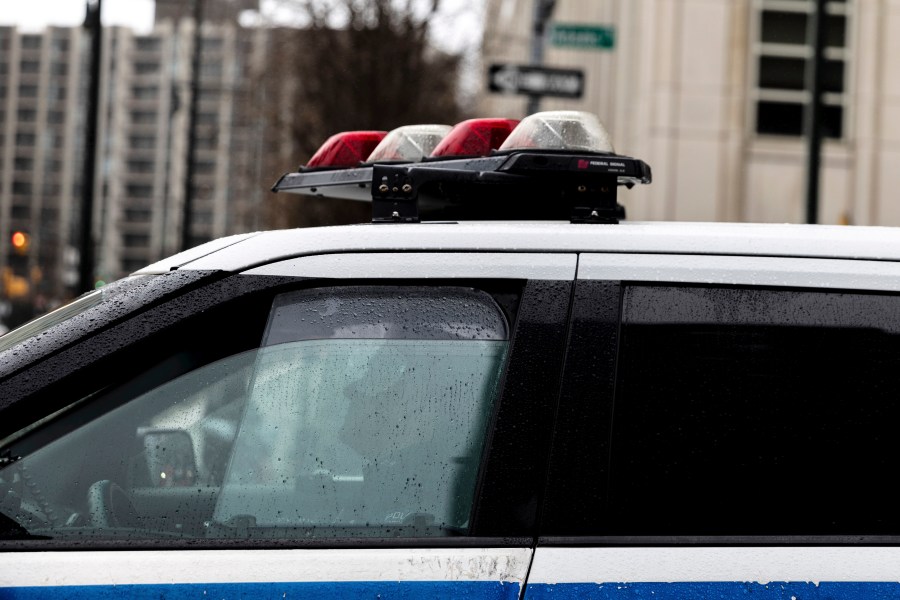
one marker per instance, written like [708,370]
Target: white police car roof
[551,165]
[241,252]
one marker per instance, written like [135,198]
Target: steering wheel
[109,506]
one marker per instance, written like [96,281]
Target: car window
[743,411]
[362,413]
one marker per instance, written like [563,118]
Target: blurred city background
[168,135]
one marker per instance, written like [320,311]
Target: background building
[144,131]
[217,11]
[40,144]
[142,147]
[711,94]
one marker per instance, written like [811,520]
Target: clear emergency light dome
[560,130]
[411,143]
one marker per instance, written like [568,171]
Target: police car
[566,405]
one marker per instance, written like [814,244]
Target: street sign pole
[813,112]
[187,215]
[86,274]
[541,14]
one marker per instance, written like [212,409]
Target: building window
[49,215]
[31,42]
[203,167]
[48,188]
[212,44]
[131,240]
[60,45]
[22,188]
[138,215]
[205,118]
[30,66]
[211,69]
[23,163]
[56,93]
[140,166]
[781,54]
[207,142]
[148,44]
[144,68]
[145,92]
[139,191]
[139,117]
[142,141]
[25,139]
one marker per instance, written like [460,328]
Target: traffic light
[14,277]
[20,242]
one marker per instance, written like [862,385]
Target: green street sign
[591,37]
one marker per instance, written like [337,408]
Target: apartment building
[145,132]
[142,146]
[711,93]
[41,128]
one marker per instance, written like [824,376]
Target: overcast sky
[458,29]
[34,15]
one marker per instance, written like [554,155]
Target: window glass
[363,413]
[755,412]
[782,59]
[388,410]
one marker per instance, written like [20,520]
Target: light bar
[347,149]
[569,130]
[475,137]
[411,143]
[554,165]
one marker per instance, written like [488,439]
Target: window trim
[591,371]
[487,265]
[514,459]
[819,273]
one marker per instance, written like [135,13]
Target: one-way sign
[536,81]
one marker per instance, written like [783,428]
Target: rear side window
[755,412]
[363,413]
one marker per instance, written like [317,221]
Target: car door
[382,429]
[727,428]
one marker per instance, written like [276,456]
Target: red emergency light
[347,149]
[475,137]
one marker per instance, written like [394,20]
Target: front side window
[363,413]
[782,54]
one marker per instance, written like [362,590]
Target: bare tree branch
[357,65]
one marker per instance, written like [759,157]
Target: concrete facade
[679,90]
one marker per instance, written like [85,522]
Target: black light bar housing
[516,185]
